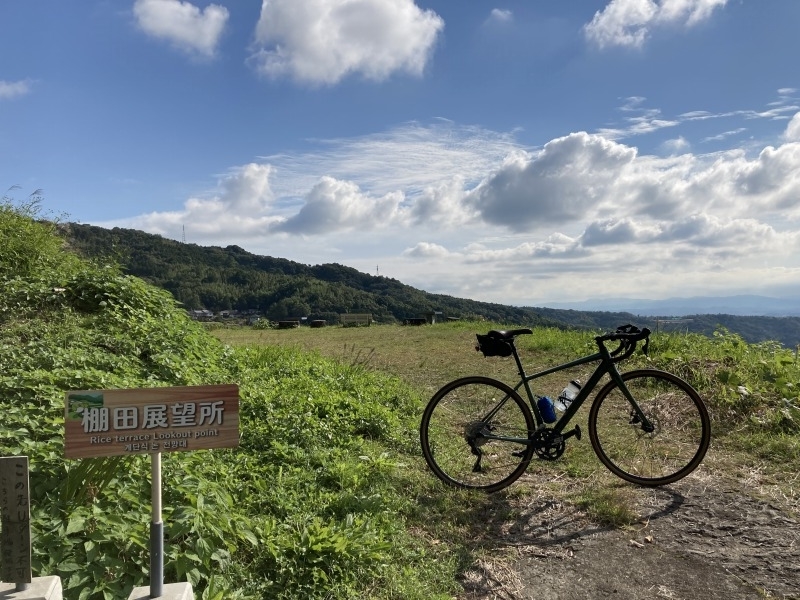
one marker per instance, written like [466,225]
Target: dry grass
[553,501]
[425,357]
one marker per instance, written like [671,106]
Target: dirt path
[701,538]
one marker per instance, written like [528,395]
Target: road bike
[647,426]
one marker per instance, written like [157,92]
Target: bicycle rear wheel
[458,432]
[678,442]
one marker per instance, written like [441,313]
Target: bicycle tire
[452,429]
[673,450]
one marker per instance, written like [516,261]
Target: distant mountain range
[742,305]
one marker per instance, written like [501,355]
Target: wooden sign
[15,521]
[146,421]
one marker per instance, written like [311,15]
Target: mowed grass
[425,357]
[754,433]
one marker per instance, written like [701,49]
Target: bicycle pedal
[576,432]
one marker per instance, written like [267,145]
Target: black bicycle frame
[606,366]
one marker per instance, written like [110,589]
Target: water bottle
[568,394]
[547,409]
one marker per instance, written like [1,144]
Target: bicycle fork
[637,415]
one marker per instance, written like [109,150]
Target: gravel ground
[701,538]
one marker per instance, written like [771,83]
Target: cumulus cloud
[323,41]
[699,230]
[500,15]
[676,145]
[443,206]
[248,188]
[792,132]
[334,205]
[629,22]
[557,245]
[427,250]
[187,27]
[14,89]
[574,183]
[243,206]
[561,183]
[505,223]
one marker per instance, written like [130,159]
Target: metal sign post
[151,421]
[156,531]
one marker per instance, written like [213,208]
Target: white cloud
[14,89]
[334,205]
[580,182]
[500,15]
[792,132]
[556,245]
[560,184]
[503,223]
[628,22]
[248,188]
[243,203]
[638,119]
[418,157]
[323,41]
[427,250]
[676,145]
[189,28]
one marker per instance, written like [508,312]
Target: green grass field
[750,390]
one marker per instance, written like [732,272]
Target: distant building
[201,315]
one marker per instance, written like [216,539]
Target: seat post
[520,368]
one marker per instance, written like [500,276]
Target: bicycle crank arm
[568,434]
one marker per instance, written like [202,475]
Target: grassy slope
[313,504]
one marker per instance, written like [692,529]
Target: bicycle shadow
[546,527]
[549,521]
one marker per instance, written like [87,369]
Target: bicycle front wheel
[474,434]
[681,429]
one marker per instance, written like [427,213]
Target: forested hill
[228,278]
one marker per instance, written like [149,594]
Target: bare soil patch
[701,538]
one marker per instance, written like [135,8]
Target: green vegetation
[314,503]
[326,497]
[752,390]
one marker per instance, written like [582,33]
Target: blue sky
[523,152]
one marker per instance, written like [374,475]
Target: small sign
[146,421]
[15,521]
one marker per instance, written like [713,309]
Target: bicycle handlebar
[627,336]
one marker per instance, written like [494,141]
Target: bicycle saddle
[507,335]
